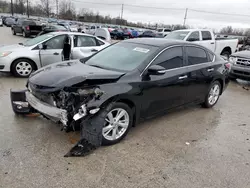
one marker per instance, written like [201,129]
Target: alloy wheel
[214,94]
[116,124]
[23,68]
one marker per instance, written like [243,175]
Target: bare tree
[67,10]
[227,30]
[46,7]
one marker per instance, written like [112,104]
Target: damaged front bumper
[24,102]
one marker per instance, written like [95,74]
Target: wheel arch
[23,58]
[126,101]
[220,80]
[227,49]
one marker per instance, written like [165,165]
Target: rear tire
[213,95]
[226,54]
[25,35]
[13,32]
[22,68]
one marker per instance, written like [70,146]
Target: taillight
[27,28]
[228,65]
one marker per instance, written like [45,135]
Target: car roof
[159,42]
[193,30]
[70,33]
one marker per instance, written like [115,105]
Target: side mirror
[156,70]
[42,46]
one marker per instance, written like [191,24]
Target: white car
[1,22]
[163,31]
[206,38]
[23,58]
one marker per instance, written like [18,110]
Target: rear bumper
[240,72]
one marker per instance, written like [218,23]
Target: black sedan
[53,28]
[123,84]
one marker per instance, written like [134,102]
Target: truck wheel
[22,68]
[226,54]
[25,35]
[13,32]
[213,95]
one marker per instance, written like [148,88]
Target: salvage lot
[193,147]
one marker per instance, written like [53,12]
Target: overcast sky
[168,16]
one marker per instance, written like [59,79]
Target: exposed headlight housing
[4,54]
[232,60]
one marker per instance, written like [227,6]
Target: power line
[96,3]
[163,8]
[221,13]
[154,7]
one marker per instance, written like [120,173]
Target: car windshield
[128,56]
[159,30]
[177,35]
[37,40]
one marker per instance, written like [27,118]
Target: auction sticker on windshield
[143,50]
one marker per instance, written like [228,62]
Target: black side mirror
[156,70]
[42,46]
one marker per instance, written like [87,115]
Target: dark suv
[240,65]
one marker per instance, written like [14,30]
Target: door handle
[212,43]
[182,77]
[210,70]
[94,50]
[56,53]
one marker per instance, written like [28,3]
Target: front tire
[22,68]
[115,121]
[213,95]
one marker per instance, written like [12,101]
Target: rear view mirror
[156,70]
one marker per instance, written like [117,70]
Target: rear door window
[84,41]
[206,35]
[196,56]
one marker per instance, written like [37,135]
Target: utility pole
[122,12]
[57,9]
[12,11]
[28,12]
[185,17]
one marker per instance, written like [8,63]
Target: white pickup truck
[206,38]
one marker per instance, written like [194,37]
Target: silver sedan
[24,58]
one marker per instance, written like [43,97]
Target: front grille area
[243,62]
[241,72]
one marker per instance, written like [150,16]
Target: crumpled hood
[66,74]
[243,54]
[11,48]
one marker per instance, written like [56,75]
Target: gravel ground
[189,148]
